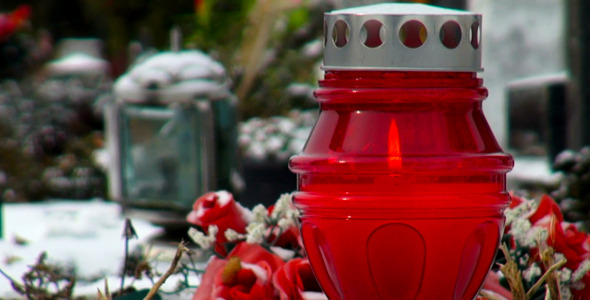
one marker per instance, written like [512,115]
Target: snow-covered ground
[83,234]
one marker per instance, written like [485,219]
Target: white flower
[288,215]
[293,214]
[532,272]
[533,236]
[581,271]
[285,223]
[275,143]
[282,206]
[520,211]
[259,213]
[519,230]
[524,259]
[204,241]
[565,274]
[558,256]
[256,233]
[565,291]
[232,235]
[213,230]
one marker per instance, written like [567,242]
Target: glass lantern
[171,135]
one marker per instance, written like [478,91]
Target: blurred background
[60,60]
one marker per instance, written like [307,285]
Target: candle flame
[394,159]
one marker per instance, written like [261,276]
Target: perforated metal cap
[400,36]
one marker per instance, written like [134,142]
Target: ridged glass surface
[401,186]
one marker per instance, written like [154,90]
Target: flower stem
[548,273]
[513,275]
[179,251]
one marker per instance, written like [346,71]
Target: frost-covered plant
[266,260]
[276,138]
[543,255]
[573,193]
[268,227]
[45,280]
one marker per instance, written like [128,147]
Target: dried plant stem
[107,293]
[179,251]
[128,233]
[490,296]
[543,278]
[552,281]
[262,19]
[19,288]
[261,22]
[513,275]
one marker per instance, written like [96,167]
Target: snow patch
[86,235]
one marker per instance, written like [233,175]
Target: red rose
[563,236]
[290,238]
[515,200]
[220,209]
[547,207]
[245,275]
[295,281]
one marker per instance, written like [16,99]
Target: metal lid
[401,36]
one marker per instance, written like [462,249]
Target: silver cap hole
[373,34]
[413,34]
[450,34]
[475,35]
[340,33]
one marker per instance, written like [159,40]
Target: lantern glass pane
[159,157]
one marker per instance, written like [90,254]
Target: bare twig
[543,278]
[107,295]
[179,251]
[512,275]
[128,233]
[489,296]
[16,286]
[46,281]
[552,281]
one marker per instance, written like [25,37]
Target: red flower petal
[547,207]
[294,278]
[220,209]
[253,253]
[246,277]
[492,283]
[515,200]
[207,286]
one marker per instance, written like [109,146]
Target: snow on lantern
[401,184]
[171,134]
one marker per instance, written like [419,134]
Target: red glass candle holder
[401,185]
